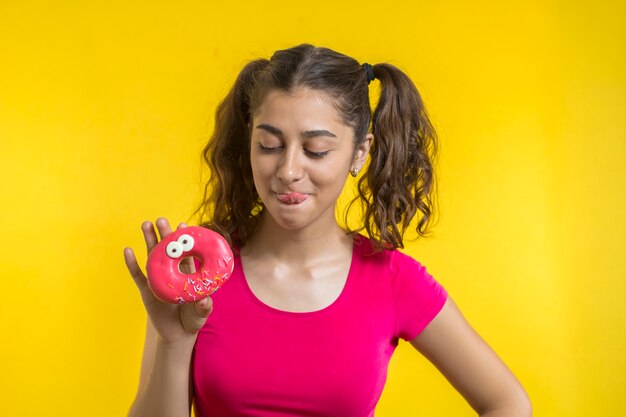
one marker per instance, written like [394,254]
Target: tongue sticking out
[292,198]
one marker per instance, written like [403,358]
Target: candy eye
[174,249]
[186,241]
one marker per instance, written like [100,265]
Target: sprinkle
[170,285]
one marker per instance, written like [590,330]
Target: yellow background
[105,107]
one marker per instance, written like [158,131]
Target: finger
[187,265]
[193,317]
[204,306]
[138,275]
[164,227]
[149,235]
[133,268]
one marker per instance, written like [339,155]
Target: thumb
[147,297]
[193,317]
[204,307]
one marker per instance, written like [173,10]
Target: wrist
[180,346]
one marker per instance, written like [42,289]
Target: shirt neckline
[337,301]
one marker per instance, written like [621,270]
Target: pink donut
[172,286]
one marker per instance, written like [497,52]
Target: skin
[299,143]
[304,241]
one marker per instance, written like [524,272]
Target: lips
[292,198]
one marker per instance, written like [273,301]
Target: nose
[290,167]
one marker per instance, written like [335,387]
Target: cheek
[260,168]
[330,177]
[262,176]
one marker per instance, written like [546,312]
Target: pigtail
[400,179]
[230,197]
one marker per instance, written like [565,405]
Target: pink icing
[216,264]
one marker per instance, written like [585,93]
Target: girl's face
[301,154]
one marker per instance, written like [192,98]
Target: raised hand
[173,323]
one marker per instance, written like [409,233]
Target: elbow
[518,406]
[524,407]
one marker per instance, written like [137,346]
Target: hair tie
[369,72]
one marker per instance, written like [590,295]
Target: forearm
[166,392]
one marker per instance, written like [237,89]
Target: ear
[361,151]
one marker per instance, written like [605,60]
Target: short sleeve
[418,297]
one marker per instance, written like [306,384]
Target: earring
[354,172]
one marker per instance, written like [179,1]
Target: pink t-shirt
[254,360]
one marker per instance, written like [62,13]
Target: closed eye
[318,155]
[268,150]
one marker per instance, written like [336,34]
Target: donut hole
[189,264]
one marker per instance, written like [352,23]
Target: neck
[301,246]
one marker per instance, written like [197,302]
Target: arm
[165,387]
[471,366]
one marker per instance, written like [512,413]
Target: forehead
[302,108]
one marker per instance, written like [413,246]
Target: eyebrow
[305,135]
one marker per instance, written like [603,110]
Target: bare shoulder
[452,345]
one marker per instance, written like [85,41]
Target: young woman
[309,319]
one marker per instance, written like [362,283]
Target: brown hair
[399,180]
